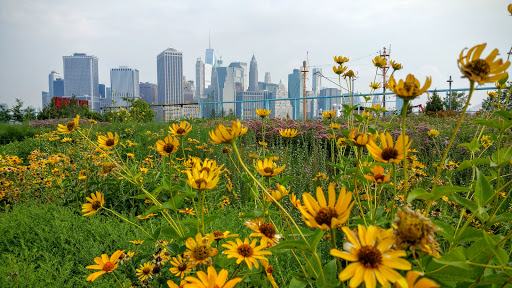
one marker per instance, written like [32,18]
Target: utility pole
[384,71]
[450,95]
[304,71]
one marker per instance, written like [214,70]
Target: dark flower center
[109,266]
[245,250]
[201,252]
[268,170]
[96,205]
[479,68]
[182,267]
[270,269]
[110,142]
[370,257]
[207,169]
[201,181]
[168,148]
[325,215]
[70,126]
[146,270]
[180,131]
[268,230]
[389,153]
[379,177]
[411,230]
[218,234]
[156,269]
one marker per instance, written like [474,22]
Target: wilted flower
[413,230]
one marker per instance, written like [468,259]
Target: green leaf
[455,258]
[176,202]
[331,273]
[418,193]
[475,162]
[141,196]
[468,235]
[296,283]
[358,117]
[440,191]
[483,190]
[315,239]
[446,230]
[504,217]
[283,181]
[493,123]
[291,244]
[504,155]
[473,146]
[166,183]
[498,252]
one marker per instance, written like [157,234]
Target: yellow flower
[498,85]
[94,205]
[326,215]
[360,139]
[107,167]
[223,134]
[340,60]
[180,268]
[263,112]
[493,94]
[180,130]
[341,142]
[70,127]
[199,250]
[201,180]
[349,74]
[372,258]
[335,125]
[145,271]
[212,279]
[267,231]
[92,121]
[277,194]
[109,141]
[269,270]
[131,155]
[137,242]
[413,282]
[379,62]
[388,154]
[288,133]
[321,176]
[409,89]
[433,133]
[509,8]
[168,146]
[486,141]
[375,85]
[414,230]
[329,114]
[245,251]
[268,167]
[104,264]
[65,140]
[295,201]
[188,211]
[264,144]
[482,70]
[366,114]
[395,65]
[217,235]
[339,69]
[378,175]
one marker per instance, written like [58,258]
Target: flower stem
[404,114]
[358,151]
[128,221]
[333,239]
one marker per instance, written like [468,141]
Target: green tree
[16,113]
[29,114]
[5,116]
[435,103]
[498,96]
[458,100]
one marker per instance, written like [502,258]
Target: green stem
[358,151]
[333,239]
[394,192]
[115,277]
[404,115]
[128,221]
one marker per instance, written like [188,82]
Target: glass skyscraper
[81,78]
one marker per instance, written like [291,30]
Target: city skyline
[280,42]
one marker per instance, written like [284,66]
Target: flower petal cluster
[412,281]
[339,70]
[168,146]
[408,89]
[288,133]
[200,250]
[70,126]
[379,61]
[433,133]
[204,174]
[340,60]
[223,134]
[245,251]
[109,141]
[395,65]
[373,259]
[388,153]
[414,230]
[180,268]
[268,167]
[329,114]
[377,175]
[104,264]
[277,194]
[360,139]
[180,130]
[482,70]
[94,205]
[212,279]
[263,112]
[265,230]
[318,213]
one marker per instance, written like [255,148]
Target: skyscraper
[81,78]
[210,57]
[267,77]
[58,88]
[170,80]
[295,90]
[45,98]
[253,75]
[124,82]
[317,80]
[199,78]
[149,92]
[101,88]
[52,77]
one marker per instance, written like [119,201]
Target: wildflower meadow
[372,199]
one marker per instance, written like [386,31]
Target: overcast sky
[425,36]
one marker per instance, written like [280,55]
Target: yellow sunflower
[409,89]
[223,134]
[202,180]
[373,259]
[94,205]
[212,279]
[180,268]
[339,69]
[377,175]
[168,146]
[263,112]
[320,214]
[412,281]
[267,231]
[245,251]
[395,65]
[268,167]
[277,194]
[329,114]
[379,61]
[288,133]
[482,70]
[433,133]
[269,271]
[70,126]
[208,165]
[104,264]
[359,138]
[145,271]
[388,153]
[340,60]
[180,130]
[109,141]
[218,235]
[375,85]
[199,250]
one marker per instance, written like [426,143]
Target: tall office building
[210,57]
[189,91]
[81,78]
[124,82]
[199,78]
[170,80]
[101,89]
[45,98]
[267,77]
[52,77]
[149,93]
[253,75]
[295,90]
[58,88]
[317,80]
[329,103]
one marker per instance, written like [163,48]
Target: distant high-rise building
[149,93]
[267,77]
[295,90]
[101,89]
[210,57]
[58,88]
[253,75]
[199,78]
[244,78]
[188,91]
[81,78]
[45,98]
[317,80]
[223,89]
[329,103]
[170,79]
[124,82]
[281,108]
[52,77]
[247,111]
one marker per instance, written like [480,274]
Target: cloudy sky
[426,36]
